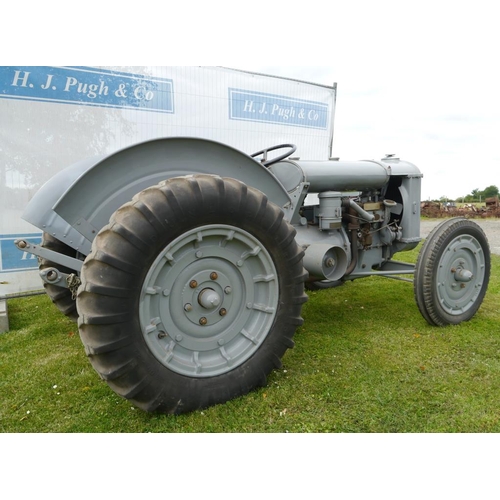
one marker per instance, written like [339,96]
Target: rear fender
[77,202]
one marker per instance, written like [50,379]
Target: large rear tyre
[61,297]
[452,272]
[192,294]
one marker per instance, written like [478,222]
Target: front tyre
[452,272]
[192,294]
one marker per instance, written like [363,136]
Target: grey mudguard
[77,202]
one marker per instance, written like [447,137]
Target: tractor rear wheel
[192,294]
[452,272]
[61,297]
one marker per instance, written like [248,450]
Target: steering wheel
[268,163]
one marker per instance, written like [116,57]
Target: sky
[446,123]
[420,80]
[423,84]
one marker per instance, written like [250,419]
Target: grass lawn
[365,361]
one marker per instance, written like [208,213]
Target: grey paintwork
[75,204]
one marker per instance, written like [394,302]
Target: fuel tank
[335,175]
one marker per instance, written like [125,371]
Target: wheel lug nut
[213,276]
[222,312]
[203,321]
[227,290]
[161,335]
[193,283]
[188,307]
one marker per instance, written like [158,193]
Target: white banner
[51,117]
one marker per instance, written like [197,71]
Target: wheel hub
[463,275]
[209,300]
[459,276]
[204,295]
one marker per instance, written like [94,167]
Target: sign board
[52,117]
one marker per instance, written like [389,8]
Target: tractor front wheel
[452,272]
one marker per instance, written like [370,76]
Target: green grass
[364,361]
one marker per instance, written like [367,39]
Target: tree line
[475,196]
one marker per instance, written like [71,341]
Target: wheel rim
[460,274]
[209,300]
